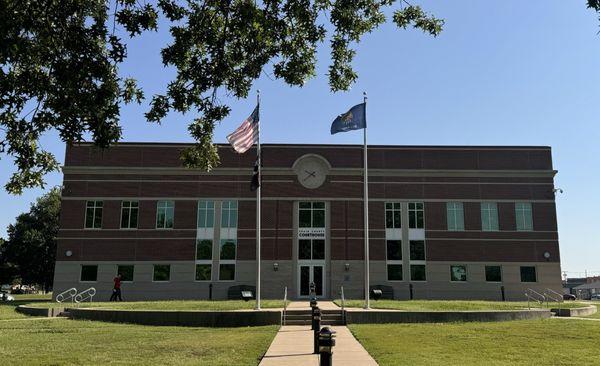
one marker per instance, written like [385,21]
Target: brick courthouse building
[455,222]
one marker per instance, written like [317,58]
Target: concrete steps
[304,317]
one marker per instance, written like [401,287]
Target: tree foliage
[59,63]
[30,249]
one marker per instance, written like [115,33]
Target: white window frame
[489,210]
[208,207]
[137,215]
[466,273]
[416,211]
[81,271]
[204,261]
[94,208]
[125,264]
[393,210]
[417,262]
[162,264]
[522,209]
[501,273]
[167,205]
[454,210]
[228,233]
[394,261]
[536,275]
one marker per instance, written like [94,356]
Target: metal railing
[343,304]
[552,295]
[284,305]
[85,295]
[66,295]
[535,296]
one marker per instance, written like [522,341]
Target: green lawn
[530,342]
[172,305]
[450,305]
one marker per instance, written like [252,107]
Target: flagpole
[258,157]
[366,210]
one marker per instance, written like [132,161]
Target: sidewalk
[293,345]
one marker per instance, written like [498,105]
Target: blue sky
[506,72]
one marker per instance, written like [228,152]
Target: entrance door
[311,273]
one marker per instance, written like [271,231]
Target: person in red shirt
[116,289]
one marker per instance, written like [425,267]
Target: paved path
[305,305]
[293,345]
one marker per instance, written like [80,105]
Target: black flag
[255,182]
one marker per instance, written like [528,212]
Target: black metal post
[410,289]
[326,343]
[503,294]
[210,286]
[316,326]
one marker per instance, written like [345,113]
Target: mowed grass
[451,305]
[187,305]
[7,308]
[531,342]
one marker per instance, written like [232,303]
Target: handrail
[284,305]
[343,305]
[85,295]
[540,298]
[559,297]
[71,292]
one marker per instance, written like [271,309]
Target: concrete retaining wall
[181,318]
[47,312]
[588,310]
[380,317]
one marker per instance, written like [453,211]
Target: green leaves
[419,19]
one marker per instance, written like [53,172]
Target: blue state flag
[354,119]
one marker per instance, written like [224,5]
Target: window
[415,215]
[523,216]
[165,212]
[394,272]
[393,215]
[93,214]
[162,273]
[417,250]
[203,272]
[394,250]
[204,249]
[458,273]
[89,273]
[528,274]
[311,214]
[311,249]
[126,272]
[227,249]
[489,216]
[455,216]
[206,214]
[229,214]
[226,272]
[417,272]
[204,260]
[129,214]
[493,273]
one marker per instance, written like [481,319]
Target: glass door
[308,274]
[311,248]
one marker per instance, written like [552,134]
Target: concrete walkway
[293,345]
[305,305]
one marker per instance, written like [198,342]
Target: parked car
[569,297]
[595,297]
[6,297]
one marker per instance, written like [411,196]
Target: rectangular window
[229,211]
[458,273]
[89,273]
[523,216]
[416,215]
[493,273]
[417,272]
[394,250]
[203,272]
[227,249]
[162,273]
[311,249]
[394,272]
[311,214]
[226,272]
[489,216]
[528,274]
[93,214]
[165,213]
[126,272]
[204,249]
[417,250]
[129,214]
[455,216]
[206,214]
[393,215]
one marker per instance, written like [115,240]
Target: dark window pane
[394,272]
[304,249]
[394,250]
[493,274]
[162,272]
[318,204]
[133,218]
[125,218]
[397,223]
[304,280]
[227,272]
[396,205]
[458,273]
[160,218]
[227,249]
[318,218]
[126,272]
[318,250]
[304,218]
[528,274]
[417,250]
[412,220]
[420,221]
[89,273]
[89,218]
[98,218]
[304,204]
[417,272]
[389,219]
[388,206]
[318,279]
[203,272]
[204,250]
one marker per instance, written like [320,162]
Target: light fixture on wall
[68,253]
[347,267]
[275,266]
[547,255]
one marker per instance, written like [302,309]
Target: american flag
[246,135]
